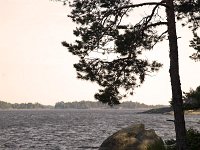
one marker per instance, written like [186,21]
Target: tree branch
[160,37]
[148,18]
[143,4]
[154,24]
[145,27]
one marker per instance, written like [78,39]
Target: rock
[134,137]
[163,110]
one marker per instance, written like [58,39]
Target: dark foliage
[193,140]
[102,34]
[110,49]
[192,99]
[195,43]
[189,12]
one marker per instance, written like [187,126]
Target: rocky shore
[163,110]
[169,111]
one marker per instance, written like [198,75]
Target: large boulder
[134,137]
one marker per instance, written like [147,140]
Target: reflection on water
[75,129]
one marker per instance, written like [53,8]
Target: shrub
[193,139]
[170,144]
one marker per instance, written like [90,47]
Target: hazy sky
[35,67]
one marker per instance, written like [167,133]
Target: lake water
[75,129]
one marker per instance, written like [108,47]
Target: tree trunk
[177,101]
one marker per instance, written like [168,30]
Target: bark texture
[175,79]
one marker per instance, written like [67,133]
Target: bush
[193,139]
[170,144]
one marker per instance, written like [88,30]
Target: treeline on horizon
[74,105]
[90,105]
[5,105]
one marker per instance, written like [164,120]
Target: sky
[35,67]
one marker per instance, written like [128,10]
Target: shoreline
[169,111]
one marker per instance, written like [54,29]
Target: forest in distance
[76,105]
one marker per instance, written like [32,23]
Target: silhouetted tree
[192,99]
[110,44]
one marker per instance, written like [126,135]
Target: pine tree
[110,49]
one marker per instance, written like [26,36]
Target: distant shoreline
[163,110]
[77,105]
[139,109]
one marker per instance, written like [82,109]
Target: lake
[76,129]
